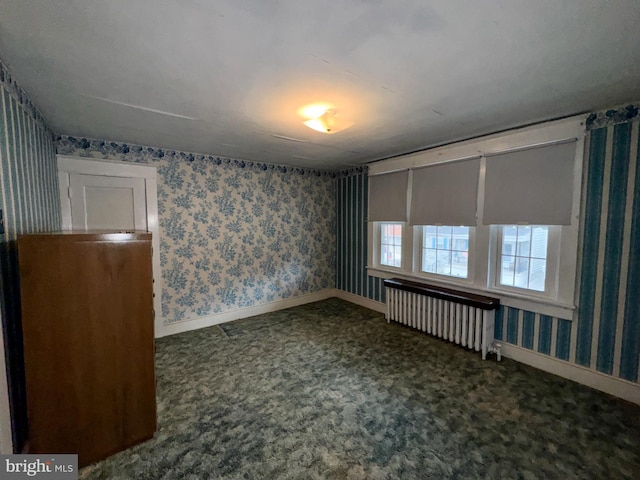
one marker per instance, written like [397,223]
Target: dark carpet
[329,390]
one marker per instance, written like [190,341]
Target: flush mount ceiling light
[325,123]
[323,118]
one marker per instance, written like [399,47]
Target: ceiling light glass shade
[315,110]
[324,123]
[317,124]
[327,123]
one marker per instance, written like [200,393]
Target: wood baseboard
[237,314]
[617,387]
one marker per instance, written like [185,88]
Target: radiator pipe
[497,349]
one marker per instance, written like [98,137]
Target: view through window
[391,244]
[523,260]
[445,250]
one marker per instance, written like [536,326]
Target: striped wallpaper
[351,231]
[605,333]
[30,203]
[608,330]
[540,333]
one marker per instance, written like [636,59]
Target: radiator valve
[497,349]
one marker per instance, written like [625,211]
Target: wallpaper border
[15,90]
[613,116]
[141,152]
[349,172]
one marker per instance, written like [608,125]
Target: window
[391,244]
[445,250]
[523,256]
[517,197]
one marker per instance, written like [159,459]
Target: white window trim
[375,231]
[483,273]
[551,277]
[509,299]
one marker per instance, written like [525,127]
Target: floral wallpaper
[613,116]
[233,233]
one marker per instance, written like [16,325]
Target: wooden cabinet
[87,316]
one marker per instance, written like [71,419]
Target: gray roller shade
[533,186]
[445,194]
[388,197]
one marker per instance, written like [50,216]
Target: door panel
[110,208]
[107,196]
[107,203]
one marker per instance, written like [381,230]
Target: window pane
[391,244]
[527,268]
[384,255]
[445,250]
[385,236]
[397,230]
[537,274]
[539,241]
[524,231]
[510,230]
[524,241]
[523,247]
[522,273]
[444,231]
[429,260]
[445,237]
[430,240]
[444,262]
[460,264]
[430,229]
[509,238]
[397,256]
[461,238]
[507,270]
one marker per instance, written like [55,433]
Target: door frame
[89,166]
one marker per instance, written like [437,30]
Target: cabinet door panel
[88,335]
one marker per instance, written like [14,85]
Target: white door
[101,202]
[99,195]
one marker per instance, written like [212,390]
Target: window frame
[418,233]
[551,268]
[376,230]
[560,296]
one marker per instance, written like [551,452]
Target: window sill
[508,299]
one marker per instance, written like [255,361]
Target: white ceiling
[227,77]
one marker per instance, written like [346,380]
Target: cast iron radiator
[459,317]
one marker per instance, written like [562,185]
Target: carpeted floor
[329,390]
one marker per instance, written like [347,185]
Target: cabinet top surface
[93,235]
